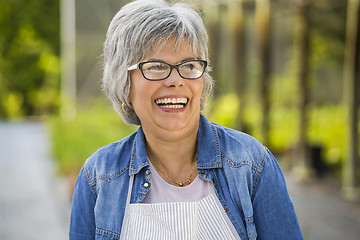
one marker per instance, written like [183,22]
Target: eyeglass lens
[159,70]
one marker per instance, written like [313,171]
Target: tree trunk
[263,22]
[237,51]
[211,16]
[68,59]
[303,169]
[351,91]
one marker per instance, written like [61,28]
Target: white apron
[204,219]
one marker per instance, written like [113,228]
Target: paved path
[322,213]
[34,204]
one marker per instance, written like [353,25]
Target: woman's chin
[176,122]
[171,123]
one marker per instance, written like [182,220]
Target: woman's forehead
[173,44]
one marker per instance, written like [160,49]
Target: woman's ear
[130,92]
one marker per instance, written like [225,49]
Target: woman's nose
[174,80]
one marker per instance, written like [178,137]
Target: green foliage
[29,56]
[73,141]
[11,104]
[327,128]
[225,110]
[326,125]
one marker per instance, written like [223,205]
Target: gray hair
[140,27]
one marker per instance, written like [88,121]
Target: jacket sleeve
[274,213]
[82,222]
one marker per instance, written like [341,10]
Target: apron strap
[125,218]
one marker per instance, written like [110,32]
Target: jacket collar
[208,148]
[208,145]
[139,157]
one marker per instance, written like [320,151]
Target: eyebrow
[183,60]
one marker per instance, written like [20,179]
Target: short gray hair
[134,32]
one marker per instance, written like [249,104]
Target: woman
[179,176]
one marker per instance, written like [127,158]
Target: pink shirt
[163,192]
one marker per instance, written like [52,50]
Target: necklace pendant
[181,184]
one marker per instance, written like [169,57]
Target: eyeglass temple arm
[135,66]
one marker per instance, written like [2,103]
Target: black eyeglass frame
[172,66]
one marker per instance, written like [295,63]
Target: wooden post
[211,17]
[302,167]
[263,22]
[224,79]
[68,59]
[237,51]
[351,188]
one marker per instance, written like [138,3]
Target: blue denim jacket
[246,177]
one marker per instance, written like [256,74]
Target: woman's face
[150,99]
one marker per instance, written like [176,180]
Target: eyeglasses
[157,70]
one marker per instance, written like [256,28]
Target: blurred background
[286,71]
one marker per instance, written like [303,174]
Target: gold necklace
[181,184]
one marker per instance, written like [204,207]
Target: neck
[175,155]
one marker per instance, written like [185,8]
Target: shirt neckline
[153,171]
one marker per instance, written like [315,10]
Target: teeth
[172,106]
[171,100]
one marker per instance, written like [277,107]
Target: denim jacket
[246,177]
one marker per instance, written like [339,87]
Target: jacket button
[202,172]
[147,172]
[146,184]
[226,210]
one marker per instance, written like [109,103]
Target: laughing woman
[179,176]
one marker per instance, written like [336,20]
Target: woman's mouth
[174,103]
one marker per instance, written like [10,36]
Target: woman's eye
[188,66]
[158,67]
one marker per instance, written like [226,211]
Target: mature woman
[179,176]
